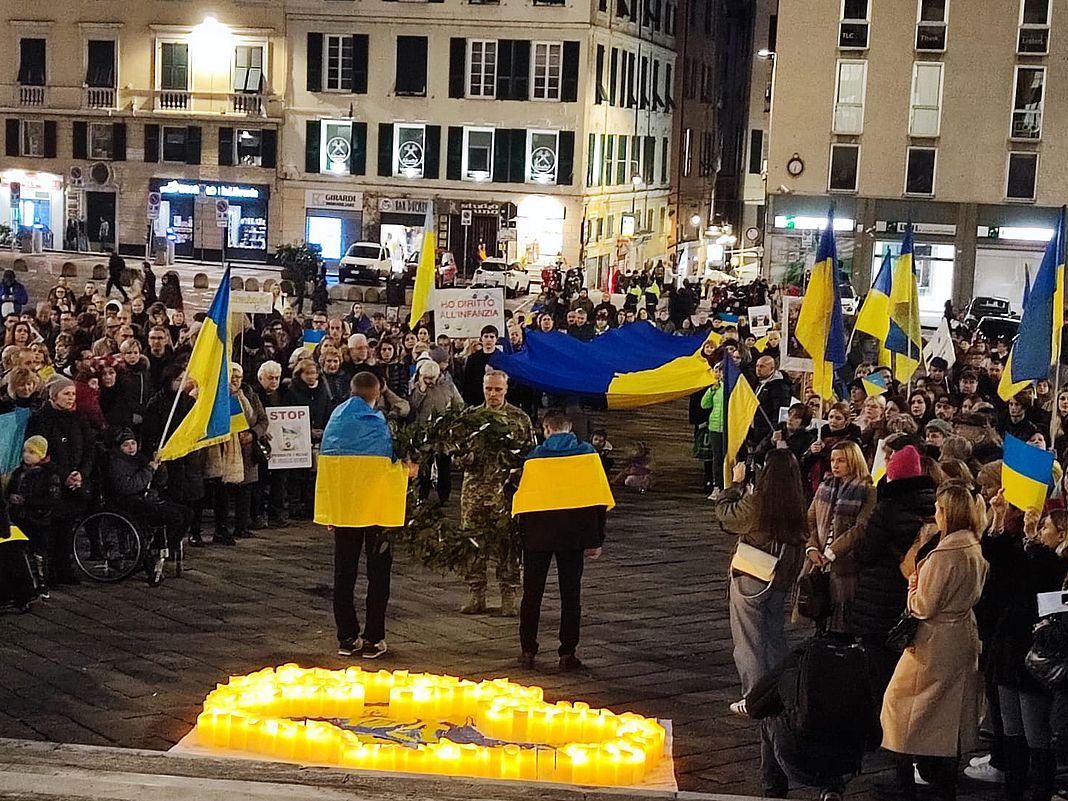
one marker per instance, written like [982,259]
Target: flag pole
[174,407]
[1054,418]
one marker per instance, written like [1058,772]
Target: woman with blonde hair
[816,464]
[841,500]
[930,710]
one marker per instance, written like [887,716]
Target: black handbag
[903,633]
[1047,660]
[261,451]
[814,595]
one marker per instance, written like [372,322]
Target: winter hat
[439,355]
[941,426]
[905,463]
[939,363]
[125,435]
[38,445]
[57,385]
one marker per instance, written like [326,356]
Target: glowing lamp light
[212,45]
[478,175]
[311,715]
[410,172]
[695,220]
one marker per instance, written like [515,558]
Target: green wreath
[476,435]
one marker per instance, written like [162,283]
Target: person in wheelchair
[133,483]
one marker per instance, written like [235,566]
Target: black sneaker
[350,647]
[526,660]
[374,650]
[570,663]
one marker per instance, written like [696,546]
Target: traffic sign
[222,212]
[465,216]
[152,208]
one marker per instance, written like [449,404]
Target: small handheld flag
[1026,473]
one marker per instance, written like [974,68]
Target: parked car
[446,272]
[364,261]
[983,306]
[994,329]
[497,272]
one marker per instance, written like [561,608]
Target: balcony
[32,96]
[251,105]
[172,100]
[99,97]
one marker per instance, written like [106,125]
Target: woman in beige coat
[930,710]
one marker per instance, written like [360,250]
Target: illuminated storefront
[188,217]
[33,200]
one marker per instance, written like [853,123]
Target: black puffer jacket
[901,509]
[70,439]
[185,476]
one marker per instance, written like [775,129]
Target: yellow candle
[528,764]
[238,732]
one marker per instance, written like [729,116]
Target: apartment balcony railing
[248,104]
[172,100]
[31,96]
[99,97]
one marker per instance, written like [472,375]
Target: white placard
[251,302]
[792,356]
[759,320]
[463,312]
[290,431]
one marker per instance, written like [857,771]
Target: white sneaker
[979,760]
[714,495]
[374,650]
[738,708]
[985,773]
[920,781]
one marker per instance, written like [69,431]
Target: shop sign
[506,235]
[464,312]
[404,205]
[472,207]
[933,229]
[289,428]
[235,191]
[332,199]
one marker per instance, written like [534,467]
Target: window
[482,58]
[547,60]
[100,69]
[174,148]
[845,161]
[669,87]
[925,111]
[335,147]
[33,134]
[643,84]
[621,163]
[664,160]
[1028,101]
[478,153]
[409,148]
[248,69]
[1034,27]
[1023,173]
[613,76]
[849,97]
[541,156]
[687,152]
[32,62]
[931,19]
[920,171]
[101,144]
[411,66]
[756,151]
[248,147]
[853,29]
[174,66]
[635,158]
[337,63]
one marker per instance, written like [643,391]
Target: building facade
[925,110]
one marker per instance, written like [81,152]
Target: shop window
[1023,175]
[845,161]
[1034,27]
[32,62]
[925,112]
[931,19]
[1029,98]
[174,143]
[248,69]
[849,97]
[336,147]
[33,136]
[853,28]
[100,69]
[174,66]
[542,156]
[101,141]
[920,171]
[482,68]
[248,146]
[409,150]
[411,66]
[478,154]
[547,61]
[337,63]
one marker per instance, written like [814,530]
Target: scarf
[837,505]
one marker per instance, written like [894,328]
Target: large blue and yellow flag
[874,315]
[562,473]
[359,481]
[740,406]
[904,338]
[633,365]
[1038,343]
[215,414]
[820,328]
[1026,473]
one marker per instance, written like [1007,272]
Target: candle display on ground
[427,723]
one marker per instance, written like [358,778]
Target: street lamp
[766,54]
[637,181]
[695,220]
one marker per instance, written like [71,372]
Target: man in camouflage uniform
[484,503]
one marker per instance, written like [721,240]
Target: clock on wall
[795,166]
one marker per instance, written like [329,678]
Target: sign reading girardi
[333,199]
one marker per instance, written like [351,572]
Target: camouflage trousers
[480,512]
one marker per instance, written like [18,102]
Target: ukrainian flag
[1038,344]
[820,328]
[359,480]
[741,406]
[874,316]
[562,473]
[215,414]
[903,337]
[1026,473]
[874,384]
[425,273]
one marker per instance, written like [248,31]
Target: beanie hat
[38,445]
[905,463]
[57,385]
[941,426]
[125,435]
[439,355]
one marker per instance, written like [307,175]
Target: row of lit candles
[595,746]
